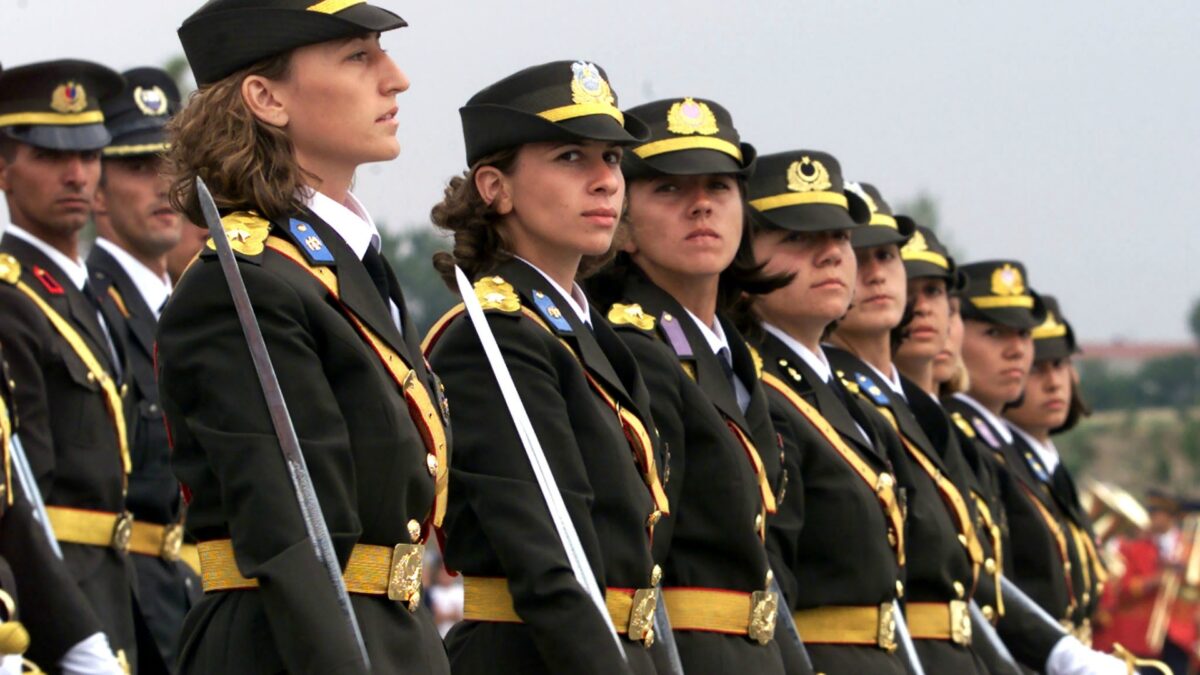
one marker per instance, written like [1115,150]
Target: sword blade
[791,633]
[285,431]
[32,493]
[664,637]
[537,457]
[1002,661]
[907,649]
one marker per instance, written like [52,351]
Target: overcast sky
[1059,133]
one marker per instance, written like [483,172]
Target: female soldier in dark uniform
[944,554]
[1051,404]
[293,97]
[999,313]
[840,532]
[686,258]
[539,203]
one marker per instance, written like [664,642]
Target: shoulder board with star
[497,295]
[631,316]
[871,389]
[850,385]
[307,241]
[247,233]
[552,315]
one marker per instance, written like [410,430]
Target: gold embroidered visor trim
[333,6]
[689,143]
[570,112]
[997,301]
[883,220]
[925,256]
[799,198]
[52,118]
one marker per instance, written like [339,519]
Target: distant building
[1127,357]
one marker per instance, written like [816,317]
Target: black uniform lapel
[104,268]
[1030,470]
[358,292]
[710,374]
[930,419]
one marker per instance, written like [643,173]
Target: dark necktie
[377,269]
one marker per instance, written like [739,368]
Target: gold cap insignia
[10,269]
[808,175]
[69,97]
[496,293]
[588,86]
[690,116]
[1050,328]
[630,315]
[1007,280]
[152,101]
[916,244]
[246,231]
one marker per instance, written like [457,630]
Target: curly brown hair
[479,242]
[245,162]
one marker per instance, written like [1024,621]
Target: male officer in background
[136,228]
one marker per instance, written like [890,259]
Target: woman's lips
[702,234]
[389,116]
[602,216]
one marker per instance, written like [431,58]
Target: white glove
[1070,657]
[10,665]
[91,656]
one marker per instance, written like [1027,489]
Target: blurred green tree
[410,252]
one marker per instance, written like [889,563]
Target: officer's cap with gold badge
[997,291]
[1053,338]
[137,117]
[884,227]
[560,101]
[225,36]
[56,104]
[688,137]
[925,255]
[803,190]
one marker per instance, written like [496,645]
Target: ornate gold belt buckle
[960,623]
[641,615]
[122,532]
[764,609]
[404,578]
[886,635]
[172,542]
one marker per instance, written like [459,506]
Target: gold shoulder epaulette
[247,233]
[851,385]
[497,294]
[758,362]
[10,269]
[630,315]
[963,424]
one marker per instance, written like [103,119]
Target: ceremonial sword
[993,645]
[32,493]
[905,643]
[537,458]
[789,626]
[285,432]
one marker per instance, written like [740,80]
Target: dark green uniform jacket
[49,603]
[167,588]
[939,568]
[831,533]
[66,429]
[712,539]
[1026,635]
[498,524]
[363,450]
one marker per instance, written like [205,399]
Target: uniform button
[91,377]
[414,531]
[153,408]
[654,517]
[891,536]
[1087,597]
[962,539]
[959,590]
[989,613]
[770,579]
[990,565]
[899,589]
[758,522]
[431,463]
[655,576]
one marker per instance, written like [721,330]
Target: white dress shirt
[1047,453]
[577,299]
[153,288]
[354,225]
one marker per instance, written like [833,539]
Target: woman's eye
[841,235]
[613,156]
[666,188]
[570,156]
[720,186]
[358,56]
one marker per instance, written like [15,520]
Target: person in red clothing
[1128,604]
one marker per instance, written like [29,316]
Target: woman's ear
[495,189]
[259,94]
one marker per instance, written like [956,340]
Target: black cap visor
[1053,349]
[490,128]
[76,137]
[808,218]
[922,269]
